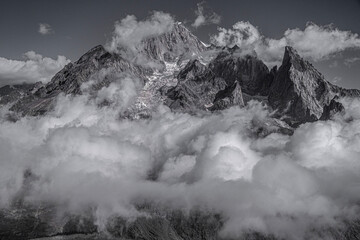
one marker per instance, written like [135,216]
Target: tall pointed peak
[291,57]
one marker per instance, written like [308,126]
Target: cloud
[351,61]
[334,64]
[205,16]
[84,155]
[45,29]
[32,69]
[129,32]
[314,42]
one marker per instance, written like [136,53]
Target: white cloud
[205,16]
[129,32]
[314,42]
[45,29]
[32,69]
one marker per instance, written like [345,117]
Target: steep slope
[196,88]
[229,73]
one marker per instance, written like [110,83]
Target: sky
[70,28]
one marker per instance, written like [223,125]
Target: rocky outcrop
[12,93]
[331,109]
[252,74]
[196,89]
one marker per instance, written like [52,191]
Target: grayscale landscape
[182,120]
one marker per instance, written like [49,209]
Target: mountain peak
[290,54]
[171,45]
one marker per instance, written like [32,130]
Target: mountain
[179,43]
[186,82]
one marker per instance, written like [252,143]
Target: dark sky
[81,24]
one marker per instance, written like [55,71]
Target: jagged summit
[179,42]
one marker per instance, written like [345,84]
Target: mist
[84,154]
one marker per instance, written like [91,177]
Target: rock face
[220,84]
[297,91]
[196,89]
[179,43]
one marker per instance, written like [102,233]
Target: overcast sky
[70,28]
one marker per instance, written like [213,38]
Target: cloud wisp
[205,16]
[45,29]
[33,68]
[314,42]
[84,156]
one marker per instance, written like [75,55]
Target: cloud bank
[33,68]
[45,29]
[205,16]
[83,155]
[314,42]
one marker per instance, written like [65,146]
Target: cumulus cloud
[129,32]
[84,155]
[33,68]
[205,16]
[314,42]
[45,29]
